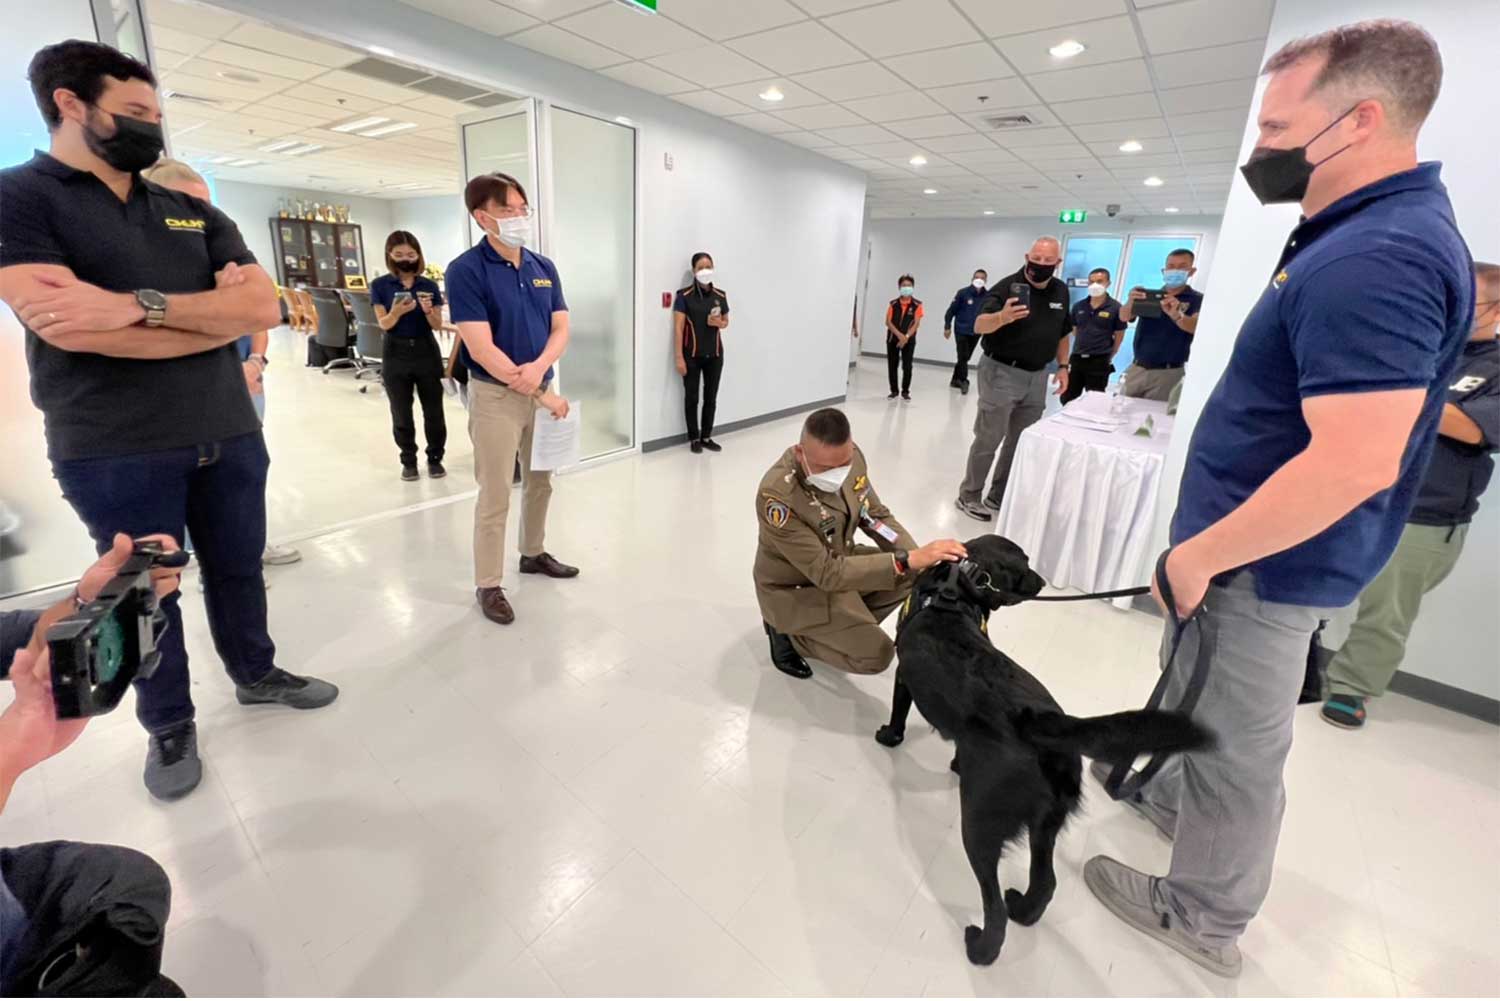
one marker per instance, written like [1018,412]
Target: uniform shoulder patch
[777,514]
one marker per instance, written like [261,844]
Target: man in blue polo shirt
[1306,460]
[508,304]
[960,319]
[1163,340]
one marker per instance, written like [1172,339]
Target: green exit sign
[646,6]
[1072,216]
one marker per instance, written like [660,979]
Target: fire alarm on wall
[666,159]
[666,300]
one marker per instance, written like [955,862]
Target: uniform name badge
[880,528]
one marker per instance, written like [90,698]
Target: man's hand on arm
[988,323]
[243,299]
[531,374]
[1358,440]
[481,347]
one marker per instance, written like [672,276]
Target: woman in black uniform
[700,313]
[408,306]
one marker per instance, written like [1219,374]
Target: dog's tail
[1117,737]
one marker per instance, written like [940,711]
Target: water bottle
[1117,401]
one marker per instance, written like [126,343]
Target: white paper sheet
[555,443]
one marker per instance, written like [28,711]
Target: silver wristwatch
[155,305]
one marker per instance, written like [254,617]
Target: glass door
[501,139]
[1145,257]
[1082,254]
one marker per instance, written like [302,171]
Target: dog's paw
[1022,910]
[889,737]
[980,952]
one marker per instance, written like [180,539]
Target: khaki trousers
[1152,383]
[500,425]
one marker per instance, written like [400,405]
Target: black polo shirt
[414,324]
[1159,341]
[158,239]
[699,340]
[1095,327]
[1029,343]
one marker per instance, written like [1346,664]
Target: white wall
[942,255]
[782,223]
[437,221]
[1458,633]
[252,206]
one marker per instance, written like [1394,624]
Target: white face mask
[905,291]
[978,283]
[830,481]
[1096,290]
[705,276]
[513,232]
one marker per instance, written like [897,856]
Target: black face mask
[134,146]
[1039,272]
[1277,176]
[405,267]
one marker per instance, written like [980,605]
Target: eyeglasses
[509,212]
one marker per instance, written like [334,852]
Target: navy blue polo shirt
[964,308]
[1094,327]
[518,304]
[1374,293]
[414,324]
[1160,343]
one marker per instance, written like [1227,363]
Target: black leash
[1124,592]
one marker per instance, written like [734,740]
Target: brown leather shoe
[547,564]
[494,605]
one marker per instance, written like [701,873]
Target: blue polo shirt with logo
[1374,293]
[1161,343]
[517,303]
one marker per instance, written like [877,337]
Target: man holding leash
[1306,460]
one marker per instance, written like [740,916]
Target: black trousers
[708,370]
[415,363]
[964,344]
[893,354]
[1091,374]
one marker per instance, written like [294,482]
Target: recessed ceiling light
[222,159]
[238,76]
[929,191]
[243,163]
[1172,209]
[386,130]
[1067,50]
[1130,146]
[622,119]
[380,50]
[918,161]
[359,123]
[989,211]
[1154,182]
[278,145]
[772,94]
[303,149]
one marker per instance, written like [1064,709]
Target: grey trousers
[1152,383]
[1010,401]
[1228,802]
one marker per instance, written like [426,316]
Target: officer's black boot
[785,656]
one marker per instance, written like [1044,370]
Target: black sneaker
[1345,711]
[906,397]
[963,390]
[409,472]
[435,470]
[173,768]
[712,445]
[893,395]
[281,688]
[696,446]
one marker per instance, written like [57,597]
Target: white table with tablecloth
[1081,499]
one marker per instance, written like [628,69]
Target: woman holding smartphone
[408,307]
[700,313]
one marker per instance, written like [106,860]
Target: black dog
[1018,753]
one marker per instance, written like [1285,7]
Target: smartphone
[400,298]
[715,311]
[1149,306]
[1021,292]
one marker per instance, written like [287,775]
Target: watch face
[151,299]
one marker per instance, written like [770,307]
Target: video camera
[109,642]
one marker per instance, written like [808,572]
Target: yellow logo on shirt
[541,283]
[186,225]
[1279,280]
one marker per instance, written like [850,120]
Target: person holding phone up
[1165,322]
[1023,325]
[408,306]
[700,315]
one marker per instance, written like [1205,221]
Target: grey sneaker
[281,688]
[1164,823]
[993,505]
[172,766]
[1130,896]
[975,511]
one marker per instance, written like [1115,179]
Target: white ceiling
[232,85]
[875,82]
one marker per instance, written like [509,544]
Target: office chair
[333,331]
[368,337]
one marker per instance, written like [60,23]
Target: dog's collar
[942,591]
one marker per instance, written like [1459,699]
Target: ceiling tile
[1231,94]
[1219,154]
[820,8]
[853,134]
[946,170]
[1126,161]
[902,26]
[568,47]
[1058,151]
[721,19]
[1107,109]
[1196,24]
[848,83]
[206,22]
[937,125]
[944,67]
[848,156]
[1022,138]
[1199,66]
[258,36]
[712,102]
[762,122]
[550,10]
[823,116]
[797,48]
[793,95]
[258,62]
[1126,77]
[319,95]
[182,41]
[354,83]
[995,17]
[810,140]
[434,105]
[901,150]
[1217,141]
[648,77]
[1118,132]
[630,32]
[970,143]
[1226,120]
[988,96]
[479,15]
[710,66]
[1109,40]
[895,107]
